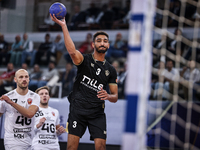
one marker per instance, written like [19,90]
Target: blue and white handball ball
[58,9]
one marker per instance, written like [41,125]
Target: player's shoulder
[86,59]
[109,65]
[11,93]
[34,95]
[31,93]
[88,56]
[53,110]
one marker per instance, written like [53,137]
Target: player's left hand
[103,95]
[6,99]
[61,130]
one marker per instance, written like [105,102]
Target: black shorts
[77,124]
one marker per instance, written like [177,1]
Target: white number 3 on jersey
[98,71]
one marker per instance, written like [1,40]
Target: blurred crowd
[175,9]
[107,16]
[175,73]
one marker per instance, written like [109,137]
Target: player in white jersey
[47,124]
[19,106]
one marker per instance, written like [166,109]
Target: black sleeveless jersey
[91,76]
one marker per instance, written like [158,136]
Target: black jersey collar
[97,60]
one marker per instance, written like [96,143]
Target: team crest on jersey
[92,65]
[29,100]
[53,113]
[107,72]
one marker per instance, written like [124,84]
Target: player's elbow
[115,100]
[72,53]
[30,115]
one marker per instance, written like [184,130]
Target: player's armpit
[1,114]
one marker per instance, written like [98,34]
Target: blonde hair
[41,88]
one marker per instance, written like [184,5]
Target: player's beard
[22,87]
[44,104]
[101,51]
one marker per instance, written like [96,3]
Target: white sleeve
[36,100]
[2,107]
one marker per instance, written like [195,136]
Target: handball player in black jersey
[88,96]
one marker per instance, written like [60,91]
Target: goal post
[139,73]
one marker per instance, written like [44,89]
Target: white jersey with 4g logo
[18,129]
[45,136]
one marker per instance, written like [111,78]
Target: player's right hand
[6,99]
[60,22]
[42,120]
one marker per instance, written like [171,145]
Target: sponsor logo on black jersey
[92,65]
[91,83]
[107,72]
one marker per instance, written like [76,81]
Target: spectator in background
[49,77]
[4,55]
[124,11]
[175,8]
[159,44]
[176,46]
[105,17]
[44,50]
[77,18]
[122,21]
[58,47]
[16,51]
[115,64]
[168,77]
[195,50]
[25,67]
[118,48]
[35,76]
[191,75]
[7,78]
[67,79]
[121,82]
[92,12]
[156,76]
[28,50]
[86,46]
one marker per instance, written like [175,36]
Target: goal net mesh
[174,108]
